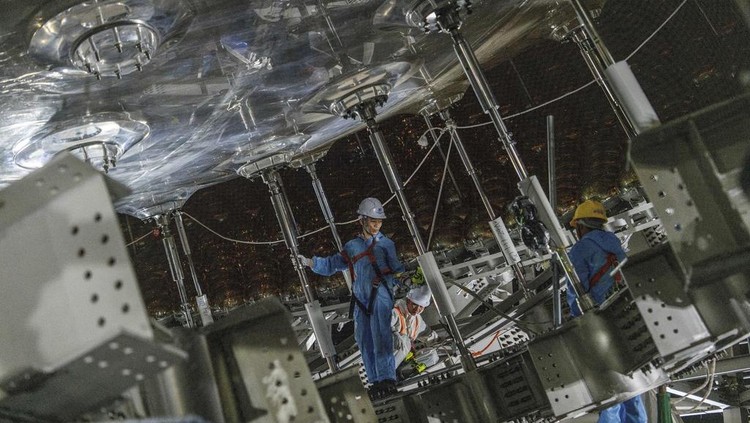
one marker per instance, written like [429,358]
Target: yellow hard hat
[590,209]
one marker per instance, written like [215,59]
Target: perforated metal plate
[345,397]
[677,330]
[67,281]
[97,376]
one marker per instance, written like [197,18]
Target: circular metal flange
[98,139]
[347,105]
[256,150]
[566,31]
[430,15]
[108,38]
[253,169]
[438,103]
[339,94]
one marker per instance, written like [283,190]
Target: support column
[175,267]
[552,190]
[366,112]
[442,154]
[327,215]
[201,299]
[498,226]
[622,90]
[286,221]
[595,65]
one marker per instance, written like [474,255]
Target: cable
[133,242]
[656,31]
[231,239]
[551,101]
[709,389]
[424,159]
[440,194]
[710,369]
[495,337]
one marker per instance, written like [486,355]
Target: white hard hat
[371,207]
[420,295]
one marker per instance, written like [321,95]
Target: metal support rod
[551,176]
[442,154]
[288,229]
[552,192]
[486,98]
[464,155]
[585,302]
[588,26]
[367,113]
[173,258]
[466,160]
[186,249]
[201,300]
[596,66]
[327,215]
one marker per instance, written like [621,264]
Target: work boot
[383,389]
[388,388]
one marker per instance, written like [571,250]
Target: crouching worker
[407,325]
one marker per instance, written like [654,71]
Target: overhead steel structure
[237,87]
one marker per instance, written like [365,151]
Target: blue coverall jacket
[371,331]
[589,256]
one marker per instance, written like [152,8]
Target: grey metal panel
[676,327]
[401,409]
[560,377]
[515,387]
[345,397]
[690,170]
[590,362]
[260,370]
[68,284]
[99,375]
[459,399]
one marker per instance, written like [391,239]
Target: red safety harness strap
[610,263]
[379,276]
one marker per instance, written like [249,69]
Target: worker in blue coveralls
[372,261]
[594,256]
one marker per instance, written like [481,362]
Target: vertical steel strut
[175,267]
[201,299]
[327,215]
[286,221]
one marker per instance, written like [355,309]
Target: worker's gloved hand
[418,277]
[304,260]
